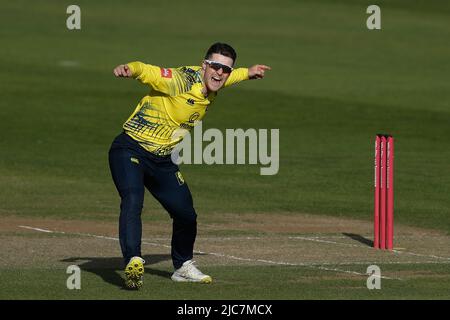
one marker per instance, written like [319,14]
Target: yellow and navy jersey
[174,104]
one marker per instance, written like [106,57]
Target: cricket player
[140,157]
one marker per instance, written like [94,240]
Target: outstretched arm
[257,71]
[240,74]
[165,80]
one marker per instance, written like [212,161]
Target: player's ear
[203,65]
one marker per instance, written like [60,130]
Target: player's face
[217,69]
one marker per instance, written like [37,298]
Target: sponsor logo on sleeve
[166,73]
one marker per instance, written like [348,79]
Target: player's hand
[257,71]
[122,71]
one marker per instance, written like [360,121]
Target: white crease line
[371,235]
[269,237]
[308,265]
[248,238]
[37,229]
[379,262]
[326,241]
[357,273]
[215,238]
[367,247]
[72,233]
[218,254]
[421,255]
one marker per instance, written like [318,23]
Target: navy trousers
[133,169]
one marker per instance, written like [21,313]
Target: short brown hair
[223,49]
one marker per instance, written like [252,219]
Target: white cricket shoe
[189,273]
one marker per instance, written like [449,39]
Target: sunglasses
[217,66]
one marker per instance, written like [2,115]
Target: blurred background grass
[334,84]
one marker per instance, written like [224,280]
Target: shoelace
[142,260]
[191,269]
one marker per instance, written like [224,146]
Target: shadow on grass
[359,238]
[111,269]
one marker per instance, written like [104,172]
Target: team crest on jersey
[190,102]
[166,73]
[194,117]
[179,178]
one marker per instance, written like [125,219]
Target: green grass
[253,283]
[333,86]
